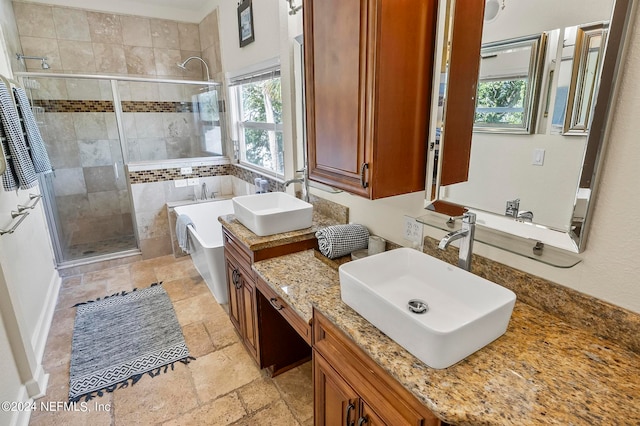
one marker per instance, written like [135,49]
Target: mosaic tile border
[161,175]
[71,105]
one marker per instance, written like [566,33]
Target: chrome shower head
[44,64]
[183,64]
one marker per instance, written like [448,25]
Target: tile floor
[223,386]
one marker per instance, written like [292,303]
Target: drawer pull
[273,301]
[346,417]
[362,420]
[235,277]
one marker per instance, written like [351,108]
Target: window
[257,114]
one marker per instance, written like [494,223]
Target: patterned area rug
[120,338]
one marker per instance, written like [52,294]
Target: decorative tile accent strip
[157,106]
[161,175]
[70,105]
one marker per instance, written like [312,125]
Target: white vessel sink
[465,312]
[272,213]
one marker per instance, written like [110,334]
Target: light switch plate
[181,183]
[538,157]
[186,170]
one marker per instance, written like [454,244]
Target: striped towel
[20,161]
[340,240]
[39,154]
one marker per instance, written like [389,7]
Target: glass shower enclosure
[93,127]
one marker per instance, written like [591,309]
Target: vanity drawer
[299,325]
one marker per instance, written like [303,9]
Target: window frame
[239,126]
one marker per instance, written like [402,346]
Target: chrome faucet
[465,234]
[203,193]
[304,180]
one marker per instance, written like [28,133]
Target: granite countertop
[541,371]
[255,242]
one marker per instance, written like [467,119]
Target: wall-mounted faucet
[465,235]
[304,180]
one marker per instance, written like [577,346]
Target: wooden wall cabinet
[351,389]
[368,73]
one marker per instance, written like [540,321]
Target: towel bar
[15,226]
[23,207]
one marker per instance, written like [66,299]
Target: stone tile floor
[223,386]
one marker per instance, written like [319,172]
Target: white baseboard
[39,339]
[21,418]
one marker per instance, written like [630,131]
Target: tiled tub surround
[543,370]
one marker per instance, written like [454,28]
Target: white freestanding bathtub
[207,244]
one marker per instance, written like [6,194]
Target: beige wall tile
[71,24]
[105,27]
[136,31]
[110,58]
[189,36]
[166,62]
[164,34]
[208,30]
[195,69]
[34,20]
[37,46]
[212,56]
[140,60]
[77,56]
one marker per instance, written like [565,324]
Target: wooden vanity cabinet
[351,389]
[368,74]
[274,335]
[242,301]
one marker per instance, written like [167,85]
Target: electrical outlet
[412,231]
[186,170]
[193,181]
[180,183]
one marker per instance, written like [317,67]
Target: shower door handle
[115,170]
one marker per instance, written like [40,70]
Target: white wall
[29,282]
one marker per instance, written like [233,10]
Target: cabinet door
[335,73]
[335,402]
[250,316]
[233,280]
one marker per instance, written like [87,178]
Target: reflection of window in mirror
[582,56]
[507,85]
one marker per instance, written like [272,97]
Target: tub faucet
[303,180]
[465,234]
[203,193]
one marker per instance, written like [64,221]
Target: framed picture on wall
[245,23]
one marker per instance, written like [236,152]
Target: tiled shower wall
[79,123]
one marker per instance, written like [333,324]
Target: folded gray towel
[340,240]
[182,233]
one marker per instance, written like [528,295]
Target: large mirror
[544,89]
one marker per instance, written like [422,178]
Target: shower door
[86,197]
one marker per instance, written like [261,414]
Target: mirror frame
[605,92]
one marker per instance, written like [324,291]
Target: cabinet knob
[363,170]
